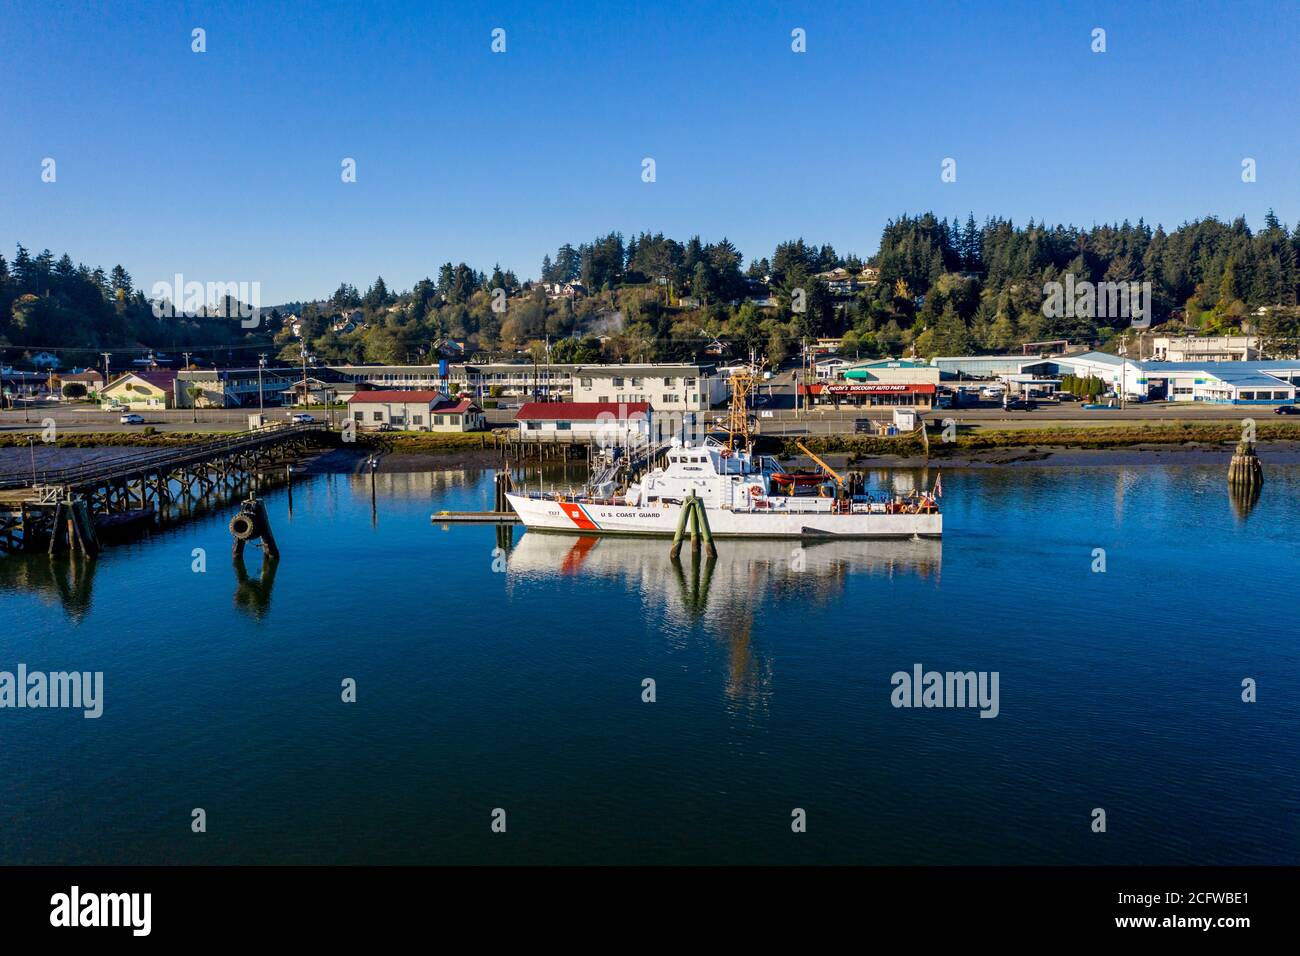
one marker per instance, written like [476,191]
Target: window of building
[532,426]
[636,383]
[586,382]
[453,419]
[618,381]
[417,419]
[377,416]
[437,419]
[563,426]
[689,383]
[670,382]
[669,399]
[1247,396]
[359,416]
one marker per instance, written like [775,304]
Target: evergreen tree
[120,282]
[377,295]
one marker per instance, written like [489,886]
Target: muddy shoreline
[1278,452]
[354,461]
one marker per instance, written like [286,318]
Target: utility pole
[261,407]
[105,354]
[304,374]
[194,401]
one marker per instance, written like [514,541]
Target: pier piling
[1245,471]
[251,523]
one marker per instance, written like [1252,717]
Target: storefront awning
[872,389]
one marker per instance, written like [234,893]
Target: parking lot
[87,418]
[774,414]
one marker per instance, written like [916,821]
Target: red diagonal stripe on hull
[578,516]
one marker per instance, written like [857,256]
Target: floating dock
[474,517]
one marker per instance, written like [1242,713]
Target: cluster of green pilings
[693,514]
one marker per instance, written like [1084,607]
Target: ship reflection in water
[719,595]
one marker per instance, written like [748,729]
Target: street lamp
[261,409]
[31,445]
[304,375]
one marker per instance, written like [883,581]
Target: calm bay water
[514,680]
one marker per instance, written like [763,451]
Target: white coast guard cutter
[743,495]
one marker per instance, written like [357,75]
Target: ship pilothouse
[719,476]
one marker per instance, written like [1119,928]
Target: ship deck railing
[776,504]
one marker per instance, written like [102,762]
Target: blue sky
[225,166]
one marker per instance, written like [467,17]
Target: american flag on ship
[937,491]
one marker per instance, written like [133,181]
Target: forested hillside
[942,287]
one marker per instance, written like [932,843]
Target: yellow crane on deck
[839,480]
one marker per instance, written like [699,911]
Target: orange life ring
[755,491]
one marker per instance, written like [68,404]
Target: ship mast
[743,382]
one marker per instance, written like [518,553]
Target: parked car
[1096,407]
[864,426]
[302,418]
[1066,397]
[1020,405]
[114,407]
[1287,410]
[131,418]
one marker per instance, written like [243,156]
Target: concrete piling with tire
[250,524]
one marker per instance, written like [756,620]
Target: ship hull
[544,514]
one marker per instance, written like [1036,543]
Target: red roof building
[452,407]
[414,410]
[397,396]
[580,411]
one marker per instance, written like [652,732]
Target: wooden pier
[34,506]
